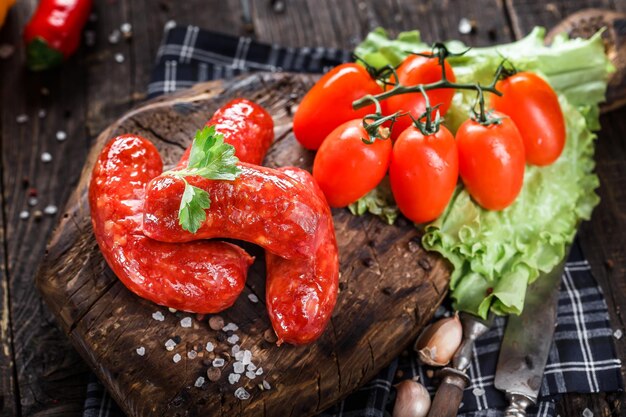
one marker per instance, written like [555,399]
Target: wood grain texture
[385,297]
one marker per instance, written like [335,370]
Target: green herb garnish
[210,158]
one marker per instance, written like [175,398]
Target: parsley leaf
[210,158]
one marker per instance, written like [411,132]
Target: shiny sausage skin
[301,293]
[262,206]
[245,125]
[201,277]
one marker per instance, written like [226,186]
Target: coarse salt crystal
[587,413]
[41,113]
[618,334]
[239,355]
[170,345]
[465,26]
[119,58]
[186,322]
[50,209]
[250,375]
[251,367]
[114,37]
[233,339]
[177,358]
[192,354]
[24,214]
[266,385]
[235,349]
[478,392]
[46,157]
[126,27]
[199,382]
[253,298]
[233,378]
[238,367]
[230,326]
[210,346]
[32,201]
[21,118]
[158,316]
[259,371]
[247,357]
[242,394]
[218,362]
[61,136]
[141,351]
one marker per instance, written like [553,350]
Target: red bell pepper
[54,32]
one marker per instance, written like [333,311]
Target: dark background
[40,373]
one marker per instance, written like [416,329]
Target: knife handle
[449,394]
[517,405]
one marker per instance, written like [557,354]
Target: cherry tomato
[329,103]
[423,173]
[534,107]
[491,161]
[346,168]
[416,69]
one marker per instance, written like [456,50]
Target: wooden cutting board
[389,287]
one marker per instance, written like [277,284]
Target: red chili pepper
[54,32]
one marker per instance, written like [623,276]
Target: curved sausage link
[301,293]
[201,277]
[245,125]
[262,206]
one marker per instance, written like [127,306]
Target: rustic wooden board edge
[75,211]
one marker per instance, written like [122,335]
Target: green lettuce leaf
[495,255]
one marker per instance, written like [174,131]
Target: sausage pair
[281,210]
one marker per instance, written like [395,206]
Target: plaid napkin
[582,357]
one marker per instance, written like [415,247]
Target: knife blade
[526,343]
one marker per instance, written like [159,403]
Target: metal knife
[526,343]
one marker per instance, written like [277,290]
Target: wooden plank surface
[93,89]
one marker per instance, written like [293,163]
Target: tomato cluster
[525,125]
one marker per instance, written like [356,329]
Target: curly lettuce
[496,254]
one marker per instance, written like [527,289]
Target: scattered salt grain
[233,339]
[587,413]
[235,349]
[32,201]
[618,334]
[41,113]
[192,354]
[266,385]
[230,326]
[242,394]
[253,298]
[251,367]
[466,26]
[24,214]
[46,157]
[199,382]
[170,24]
[61,135]
[115,36]
[218,362]
[127,30]
[250,375]
[478,392]
[172,310]
[158,316]
[186,322]
[50,209]
[233,378]
[170,345]
[119,58]
[259,371]
[239,355]
[21,118]
[210,346]
[141,351]
[177,358]
[247,357]
[238,367]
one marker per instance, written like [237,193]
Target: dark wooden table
[40,373]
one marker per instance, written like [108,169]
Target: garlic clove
[412,400]
[439,341]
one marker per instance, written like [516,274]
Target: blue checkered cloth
[582,357]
